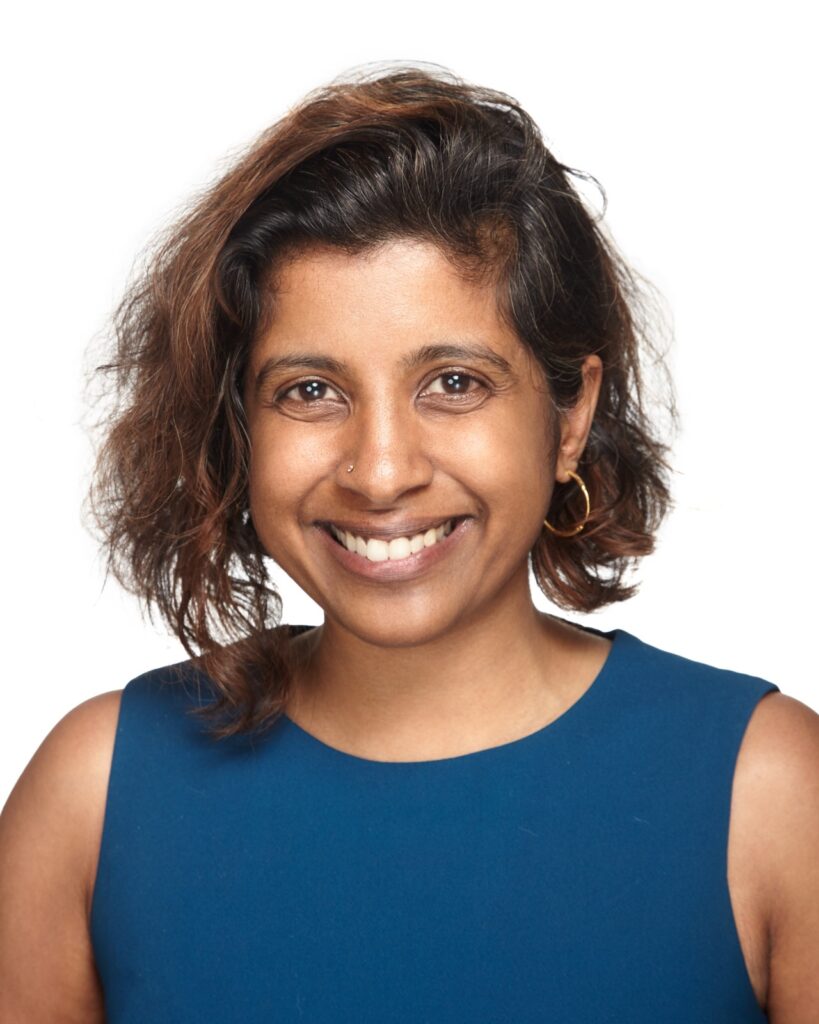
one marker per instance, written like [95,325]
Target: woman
[392,351]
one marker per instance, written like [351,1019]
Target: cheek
[517,448]
[283,469]
[507,466]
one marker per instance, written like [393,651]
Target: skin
[423,668]
[412,671]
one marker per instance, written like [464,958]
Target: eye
[456,384]
[306,392]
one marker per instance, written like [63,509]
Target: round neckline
[618,638]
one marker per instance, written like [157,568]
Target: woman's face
[359,367]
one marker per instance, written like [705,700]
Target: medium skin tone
[51,826]
[457,658]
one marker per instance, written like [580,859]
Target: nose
[388,451]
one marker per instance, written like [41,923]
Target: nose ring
[350,468]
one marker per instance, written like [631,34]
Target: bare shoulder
[50,833]
[777,774]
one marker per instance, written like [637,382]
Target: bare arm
[50,832]
[785,764]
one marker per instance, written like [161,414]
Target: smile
[375,549]
[400,558]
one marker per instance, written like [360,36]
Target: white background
[698,120]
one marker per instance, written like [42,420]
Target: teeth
[399,547]
[377,550]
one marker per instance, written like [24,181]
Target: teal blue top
[574,876]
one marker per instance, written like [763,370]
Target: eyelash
[281,396]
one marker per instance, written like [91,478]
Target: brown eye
[455,384]
[308,392]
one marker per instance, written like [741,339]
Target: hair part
[363,160]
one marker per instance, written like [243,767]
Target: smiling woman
[394,352]
[410,423]
[389,232]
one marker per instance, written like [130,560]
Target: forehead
[379,303]
[404,262]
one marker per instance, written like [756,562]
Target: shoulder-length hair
[407,152]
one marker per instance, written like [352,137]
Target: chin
[397,630]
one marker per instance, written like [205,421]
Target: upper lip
[406,528]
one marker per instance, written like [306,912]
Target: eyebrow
[411,361]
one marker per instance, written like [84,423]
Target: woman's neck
[481,684]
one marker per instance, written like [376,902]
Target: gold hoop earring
[579,527]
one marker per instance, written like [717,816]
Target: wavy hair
[412,151]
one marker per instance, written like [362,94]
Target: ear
[576,423]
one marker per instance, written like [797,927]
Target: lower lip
[401,568]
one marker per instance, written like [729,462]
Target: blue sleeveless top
[574,876]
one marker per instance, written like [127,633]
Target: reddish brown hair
[411,152]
